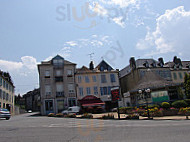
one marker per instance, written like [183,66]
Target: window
[59,87]
[103,78]
[47,73]
[69,72]
[94,78]
[4,95]
[101,91]
[1,81]
[72,102]
[7,86]
[58,73]
[81,91]
[109,90]
[0,94]
[4,84]
[7,96]
[95,90]
[58,62]
[47,90]
[79,79]
[87,79]
[71,88]
[60,105]
[175,76]
[112,77]
[180,75]
[104,90]
[88,92]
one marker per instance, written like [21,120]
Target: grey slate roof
[152,81]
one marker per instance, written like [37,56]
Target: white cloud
[172,33]
[119,21]
[71,43]
[9,65]
[116,10]
[98,9]
[24,73]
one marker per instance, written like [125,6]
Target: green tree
[187,85]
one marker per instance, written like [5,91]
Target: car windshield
[2,109]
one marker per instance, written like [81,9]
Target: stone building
[146,73]
[57,85]
[32,100]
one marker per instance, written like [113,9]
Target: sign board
[115,94]
[160,96]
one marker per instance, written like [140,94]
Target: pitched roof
[103,64]
[152,80]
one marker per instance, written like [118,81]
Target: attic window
[101,68]
[146,64]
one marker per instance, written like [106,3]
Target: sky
[113,30]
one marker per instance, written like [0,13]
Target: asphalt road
[26,128]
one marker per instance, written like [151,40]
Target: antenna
[91,54]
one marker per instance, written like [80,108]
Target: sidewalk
[141,118]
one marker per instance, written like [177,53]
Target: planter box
[170,112]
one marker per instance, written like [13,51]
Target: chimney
[91,65]
[161,61]
[132,63]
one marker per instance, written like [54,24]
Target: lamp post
[146,94]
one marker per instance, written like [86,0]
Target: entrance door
[49,106]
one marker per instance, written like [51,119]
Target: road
[26,128]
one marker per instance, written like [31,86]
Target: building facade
[57,85]
[147,73]
[98,82]
[6,92]
[178,69]
[32,100]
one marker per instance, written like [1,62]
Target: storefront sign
[160,96]
[115,93]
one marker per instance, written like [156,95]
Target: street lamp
[146,95]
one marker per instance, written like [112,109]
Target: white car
[4,113]
[74,109]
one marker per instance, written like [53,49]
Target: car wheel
[7,118]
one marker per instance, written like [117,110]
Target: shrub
[109,116]
[165,105]
[71,115]
[87,115]
[51,115]
[59,115]
[153,106]
[124,110]
[132,116]
[185,111]
[187,101]
[179,104]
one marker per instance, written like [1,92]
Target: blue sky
[115,30]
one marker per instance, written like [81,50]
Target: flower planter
[170,112]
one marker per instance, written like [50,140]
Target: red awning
[93,104]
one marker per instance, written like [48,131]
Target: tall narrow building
[57,85]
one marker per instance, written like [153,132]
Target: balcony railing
[60,94]
[59,79]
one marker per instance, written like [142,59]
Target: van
[74,109]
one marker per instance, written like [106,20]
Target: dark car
[4,113]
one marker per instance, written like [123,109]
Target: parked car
[74,109]
[4,113]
